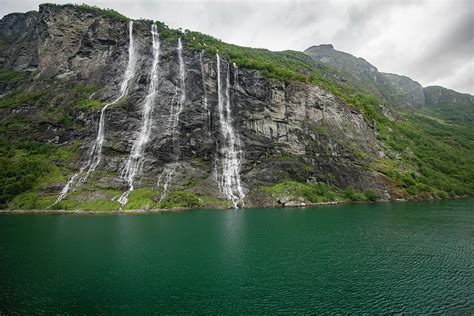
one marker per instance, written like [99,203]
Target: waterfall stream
[129,74]
[95,153]
[204,97]
[229,182]
[136,157]
[175,113]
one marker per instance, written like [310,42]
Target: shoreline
[161,210]
[186,209]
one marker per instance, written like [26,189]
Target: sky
[430,41]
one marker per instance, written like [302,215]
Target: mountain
[395,90]
[99,112]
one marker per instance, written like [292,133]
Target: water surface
[387,257]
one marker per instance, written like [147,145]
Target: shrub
[141,198]
[88,104]
[106,12]
[28,166]
[351,194]
[10,75]
[18,173]
[176,199]
[311,192]
[371,195]
[19,97]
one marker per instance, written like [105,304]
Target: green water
[388,257]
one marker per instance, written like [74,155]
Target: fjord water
[387,257]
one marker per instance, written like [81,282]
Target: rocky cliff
[63,64]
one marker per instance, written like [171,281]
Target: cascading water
[236,75]
[95,153]
[129,74]
[135,159]
[229,182]
[204,98]
[175,113]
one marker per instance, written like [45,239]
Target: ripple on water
[381,258]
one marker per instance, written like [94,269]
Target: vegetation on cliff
[426,152]
[110,13]
[428,156]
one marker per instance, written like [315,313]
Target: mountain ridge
[330,47]
[395,89]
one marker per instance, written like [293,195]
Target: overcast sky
[431,41]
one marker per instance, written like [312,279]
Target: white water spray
[204,98]
[95,153]
[229,181]
[136,157]
[129,74]
[236,75]
[175,113]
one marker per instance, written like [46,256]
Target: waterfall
[203,74]
[135,159]
[236,75]
[204,98]
[175,113]
[229,181]
[95,153]
[129,74]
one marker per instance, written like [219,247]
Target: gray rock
[286,130]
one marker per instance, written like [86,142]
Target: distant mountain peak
[326,46]
[321,46]
[395,89]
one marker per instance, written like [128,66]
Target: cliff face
[283,131]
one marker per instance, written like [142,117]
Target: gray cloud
[442,57]
[431,41]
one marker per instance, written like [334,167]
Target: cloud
[431,41]
[461,77]
[448,50]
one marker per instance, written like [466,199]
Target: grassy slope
[425,156]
